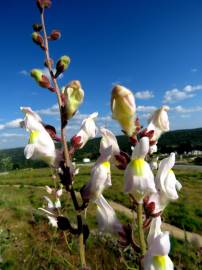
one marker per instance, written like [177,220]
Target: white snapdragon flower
[52,205]
[51,217]
[53,221]
[166,183]
[159,122]
[87,131]
[106,217]
[109,139]
[40,145]
[100,177]
[165,179]
[157,257]
[139,179]
[49,190]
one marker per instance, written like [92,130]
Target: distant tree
[6,164]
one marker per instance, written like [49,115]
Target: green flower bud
[37,74]
[62,65]
[41,79]
[38,39]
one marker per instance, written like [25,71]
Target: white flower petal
[53,221]
[159,122]
[29,151]
[50,203]
[165,179]
[141,149]
[88,129]
[160,246]
[40,145]
[156,257]
[155,229]
[106,217]
[139,179]
[49,190]
[100,179]
[59,192]
[108,139]
[57,203]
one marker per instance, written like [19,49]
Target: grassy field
[28,242]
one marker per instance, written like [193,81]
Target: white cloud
[12,135]
[24,72]
[12,124]
[146,109]
[192,88]
[183,110]
[194,70]
[145,116]
[53,110]
[185,115]
[175,94]
[144,94]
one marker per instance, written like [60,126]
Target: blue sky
[152,47]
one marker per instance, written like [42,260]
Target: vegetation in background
[27,242]
[180,141]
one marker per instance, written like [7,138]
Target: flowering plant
[149,194]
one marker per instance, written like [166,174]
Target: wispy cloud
[12,135]
[53,110]
[12,124]
[146,109]
[192,88]
[175,94]
[194,70]
[24,72]
[180,109]
[144,94]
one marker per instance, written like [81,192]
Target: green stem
[82,250]
[140,229]
[64,143]
[81,241]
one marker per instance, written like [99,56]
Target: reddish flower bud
[151,207]
[52,132]
[76,141]
[37,27]
[41,4]
[38,39]
[55,34]
[122,159]
[41,79]
[133,140]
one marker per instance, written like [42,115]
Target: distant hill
[181,141]
[178,140]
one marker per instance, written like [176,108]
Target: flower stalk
[140,229]
[64,143]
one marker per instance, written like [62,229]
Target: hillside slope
[178,140]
